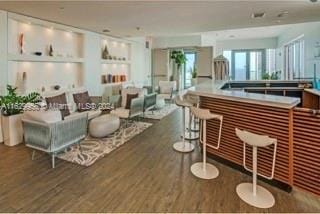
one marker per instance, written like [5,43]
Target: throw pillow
[129,98]
[83,101]
[59,102]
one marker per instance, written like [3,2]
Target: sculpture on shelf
[105,53]
[56,87]
[50,50]
[24,82]
[21,43]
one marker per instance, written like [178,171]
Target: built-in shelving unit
[31,72]
[116,70]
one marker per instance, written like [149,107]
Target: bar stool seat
[252,193]
[203,169]
[183,146]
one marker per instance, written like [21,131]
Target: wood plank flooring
[144,175]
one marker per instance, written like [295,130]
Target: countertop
[212,88]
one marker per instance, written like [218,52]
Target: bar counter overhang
[281,117]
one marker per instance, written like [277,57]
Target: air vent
[258,15]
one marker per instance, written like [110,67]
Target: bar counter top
[212,88]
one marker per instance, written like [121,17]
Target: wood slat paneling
[255,118]
[306,149]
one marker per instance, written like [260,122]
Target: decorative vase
[105,53]
[50,50]
[194,81]
[24,82]
[21,43]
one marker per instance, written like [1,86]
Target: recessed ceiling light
[278,21]
[258,15]
[106,30]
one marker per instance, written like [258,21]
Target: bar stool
[192,133]
[203,169]
[252,193]
[183,146]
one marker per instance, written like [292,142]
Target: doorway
[248,64]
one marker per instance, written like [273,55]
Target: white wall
[3,51]
[311,33]
[245,44]
[140,61]
[176,41]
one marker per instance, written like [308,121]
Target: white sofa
[71,104]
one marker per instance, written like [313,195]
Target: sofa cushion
[129,98]
[43,116]
[59,102]
[91,114]
[82,101]
[70,99]
[141,92]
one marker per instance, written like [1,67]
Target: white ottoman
[104,125]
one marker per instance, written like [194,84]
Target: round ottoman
[104,125]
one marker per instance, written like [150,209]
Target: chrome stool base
[183,147]
[263,198]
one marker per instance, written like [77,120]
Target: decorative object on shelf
[104,79]
[21,43]
[105,53]
[50,51]
[38,53]
[12,106]
[73,86]
[24,81]
[114,58]
[56,87]
[43,89]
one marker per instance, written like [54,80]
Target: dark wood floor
[144,175]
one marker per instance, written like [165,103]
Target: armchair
[56,136]
[166,90]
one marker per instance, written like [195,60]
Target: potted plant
[179,58]
[12,106]
[194,75]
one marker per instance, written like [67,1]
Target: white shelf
[109,61]
[114,83]
[34,58]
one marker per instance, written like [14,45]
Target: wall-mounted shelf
[114,83]
[35,58]
[107,61]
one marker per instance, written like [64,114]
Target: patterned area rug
[94,149]
[160,113]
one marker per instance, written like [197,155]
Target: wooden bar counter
[297,130]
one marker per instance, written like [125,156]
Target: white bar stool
[203,169]
[252,193]
[183,146]
[192,133]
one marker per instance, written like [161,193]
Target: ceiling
[250,33]
[165,18]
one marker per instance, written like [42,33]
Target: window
[251,64]
[294,59]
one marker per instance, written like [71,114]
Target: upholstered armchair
[52,137]
[166,90]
